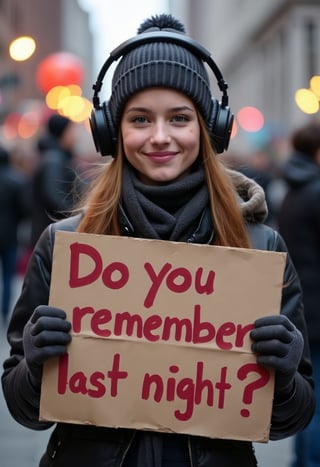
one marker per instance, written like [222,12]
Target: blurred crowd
[37,186]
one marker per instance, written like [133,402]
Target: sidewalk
[21,447]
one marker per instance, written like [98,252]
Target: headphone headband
[220,120]
[160,36]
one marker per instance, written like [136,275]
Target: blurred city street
[61,66]
[21,447]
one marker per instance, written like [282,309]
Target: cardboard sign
[160,336]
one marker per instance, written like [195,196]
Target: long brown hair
[100,207]
[101,200]
[229,225]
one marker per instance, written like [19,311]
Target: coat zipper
[127,449]
[190,452]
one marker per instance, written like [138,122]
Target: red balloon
[59,69]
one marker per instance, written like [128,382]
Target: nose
[160,133]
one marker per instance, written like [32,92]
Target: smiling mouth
[161,157]
[161,154]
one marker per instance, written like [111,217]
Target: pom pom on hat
[161,22]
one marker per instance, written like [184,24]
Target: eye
[180,118]
[139,119]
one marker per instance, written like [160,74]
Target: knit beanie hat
[57,124]
[160,64]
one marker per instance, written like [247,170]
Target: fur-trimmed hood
[251,197]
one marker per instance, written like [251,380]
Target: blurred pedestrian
[14,208]
[299,224]
[54,180]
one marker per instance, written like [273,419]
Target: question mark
[263,379]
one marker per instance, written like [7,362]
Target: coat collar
[251,199]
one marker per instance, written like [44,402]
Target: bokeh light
[315,85]
[77,108]
[28,125]
[56,95]
[68,101]
[10,125]
[22,48]
[250,119]
[59,69]
[307,101]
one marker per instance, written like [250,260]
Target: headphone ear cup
[103,131]
[220,126]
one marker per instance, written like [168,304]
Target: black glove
[278,345]
[45,335]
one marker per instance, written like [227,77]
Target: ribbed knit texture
[160,64]
[166,212]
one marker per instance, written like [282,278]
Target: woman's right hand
[46,335]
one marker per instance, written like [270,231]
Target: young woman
[164,182]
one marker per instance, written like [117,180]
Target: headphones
[101,123]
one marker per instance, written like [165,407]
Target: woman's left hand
[278,345]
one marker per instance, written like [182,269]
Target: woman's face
[161,134]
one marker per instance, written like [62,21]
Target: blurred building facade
[267,50]
[56,26]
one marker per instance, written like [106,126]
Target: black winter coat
[87,445]
[299,224]
[83,445]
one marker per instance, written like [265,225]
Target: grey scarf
[166,212]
